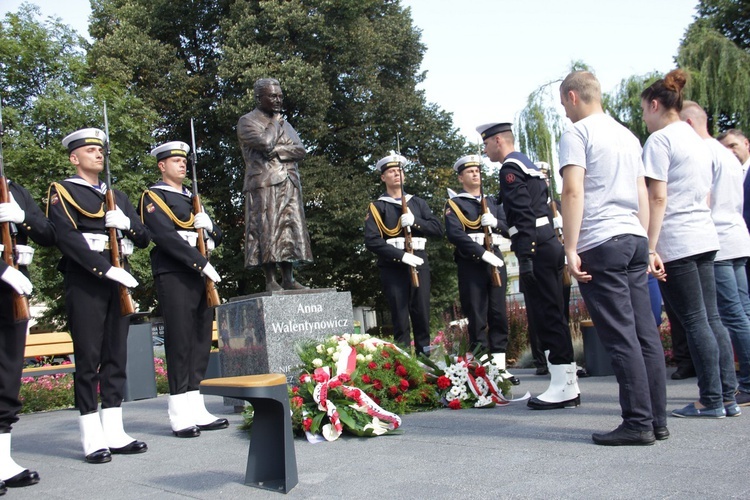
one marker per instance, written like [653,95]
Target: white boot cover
[92,434]
[561,385]
[8,466]
[113,429]
[180,413]
[201,416]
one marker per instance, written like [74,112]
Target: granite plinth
[258,333]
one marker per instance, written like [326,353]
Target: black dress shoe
[682,373]
[3,489]
[188,432]
[541,370]
[24,478]
[538,404]
[130,449]
[219,423]
[514,380]
[661,432]
[622,436]
[99,457]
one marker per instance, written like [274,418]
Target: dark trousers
[406,301]
[483,305]
[544,303]
[680,350]
[12,345]
[537,353]
[690,290]
[618,300]
[100,338]
[187,328]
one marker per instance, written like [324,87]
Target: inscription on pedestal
[258,334]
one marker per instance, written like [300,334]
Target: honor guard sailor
[180,271]
[482,301]
[385,226]
[523,193]
[76,206]
[27,222]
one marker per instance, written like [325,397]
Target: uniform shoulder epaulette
[468,224]
[188,224]
[385,232]
[63,196]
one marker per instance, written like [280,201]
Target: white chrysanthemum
[317,362]
[456,390]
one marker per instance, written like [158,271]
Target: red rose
[393,390]
[385,354]
[320,377]
[401,371]
[378,385]
[387,366]
[399,398]
[480,371]
[443,382]
[295,389]
[455,404]
[366,379]
[404,384]
[297,401]
[307,423]
[372,365]
[344,378]
[355,393]
[334,384]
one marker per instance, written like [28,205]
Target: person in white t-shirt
[605,200]
[683,241]
[729,266]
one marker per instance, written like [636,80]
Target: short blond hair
[583,83]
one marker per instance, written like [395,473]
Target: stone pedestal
[258,333]
[141,374]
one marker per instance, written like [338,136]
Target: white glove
[407,219]
[489,220]
[116,218]
[557,222]
[203,221]
[121,276]
[11,212]
[412,260]
[17,280]
[210,245]
[210,273]
[492,259]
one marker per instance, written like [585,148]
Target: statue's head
[268,95]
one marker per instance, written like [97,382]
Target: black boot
[270,271]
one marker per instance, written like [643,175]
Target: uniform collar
[395,201]
[166,187]
[76,179]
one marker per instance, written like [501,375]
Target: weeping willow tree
[719,77]
[624,103]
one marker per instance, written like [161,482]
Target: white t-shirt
[611,156]
[727,197]
[677,155]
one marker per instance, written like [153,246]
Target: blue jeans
[734,309]
[690,290]
[618,300]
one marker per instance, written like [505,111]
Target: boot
[204,420]
[117,439]
[93,440]
[181,416]
[12,474]
[270,272]
[498,358]
[562,391]
[287,279]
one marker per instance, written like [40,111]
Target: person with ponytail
[683,242]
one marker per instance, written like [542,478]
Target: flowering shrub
[470,380]
[160,369]
[355,383]
[46,392]
[665,332]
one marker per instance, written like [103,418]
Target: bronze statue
[275,227]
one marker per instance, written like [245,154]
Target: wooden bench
[271,461]
[53,344]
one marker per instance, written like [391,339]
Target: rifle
[212,295]
[566,273]
[126,300]
[495,272]
[408,246]
[20,302]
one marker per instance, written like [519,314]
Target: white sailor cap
[467,161]
[543,167]
[169,149]
[84,137]
[490,129]
[390,161]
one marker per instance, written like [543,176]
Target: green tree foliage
[731,18]
[349,72]
[47,92]
[624,104]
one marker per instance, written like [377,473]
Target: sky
[484,57]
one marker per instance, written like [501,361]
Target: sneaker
[742,398]
[732,409]
[690,411]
